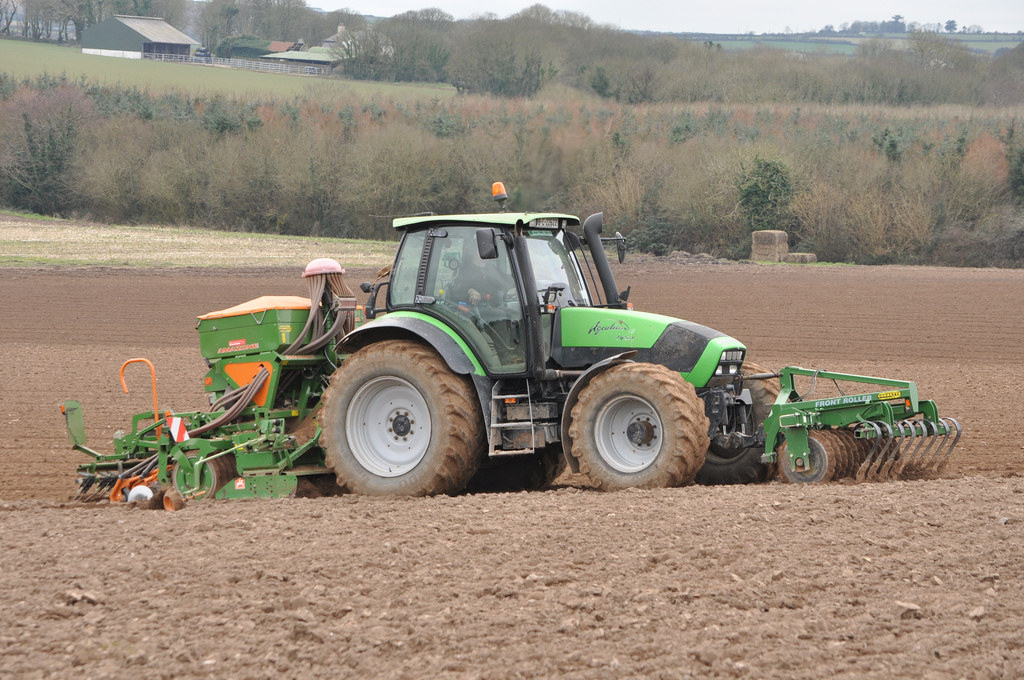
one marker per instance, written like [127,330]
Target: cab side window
[402,289]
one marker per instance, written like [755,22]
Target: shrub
[1016,173]
[765,194]
[37,164]
[657,238]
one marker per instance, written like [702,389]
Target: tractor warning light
[498,193]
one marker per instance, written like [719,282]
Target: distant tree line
[519,55]
[869,184]
[897,25]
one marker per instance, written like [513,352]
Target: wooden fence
[247,64]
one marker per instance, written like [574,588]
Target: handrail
[152,373]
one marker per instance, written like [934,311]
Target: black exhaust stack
[592,232]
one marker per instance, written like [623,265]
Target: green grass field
[27,59]
[983,42]
[819,46]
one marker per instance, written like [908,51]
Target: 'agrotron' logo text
[602,326]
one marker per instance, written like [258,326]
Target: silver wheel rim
[628,434]
[388,426]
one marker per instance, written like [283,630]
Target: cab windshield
[553,265]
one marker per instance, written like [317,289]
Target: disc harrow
[871,436]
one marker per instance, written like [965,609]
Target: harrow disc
[823,459]
[857,450]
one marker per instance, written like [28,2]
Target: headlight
[730,362]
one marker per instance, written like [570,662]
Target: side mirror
[485,244]
[620,246]
[573,241]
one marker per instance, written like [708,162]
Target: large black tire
[743,465]
[639,425]
[397,422]
[519,473]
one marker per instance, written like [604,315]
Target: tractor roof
[534,220]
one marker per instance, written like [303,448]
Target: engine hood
[585,335]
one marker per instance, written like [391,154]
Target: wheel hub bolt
[640,432]
[401,425]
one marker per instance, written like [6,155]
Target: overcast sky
[726,16]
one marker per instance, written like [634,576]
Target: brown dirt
[899,579]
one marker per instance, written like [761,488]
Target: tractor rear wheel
[519,473]
[639,425]
[743,465]
[397,421]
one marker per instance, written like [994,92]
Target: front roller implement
[888,434]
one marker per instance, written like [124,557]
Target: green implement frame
[894,428]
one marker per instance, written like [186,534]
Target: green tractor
[494,352]
[447,386]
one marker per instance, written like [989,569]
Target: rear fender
[401,325]
[574,394]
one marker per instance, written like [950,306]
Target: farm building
[316,59]
[134,37]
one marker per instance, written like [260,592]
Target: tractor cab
[489,278]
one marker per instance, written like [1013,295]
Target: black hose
[243,401]
[317,285]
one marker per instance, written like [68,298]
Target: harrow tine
[939,463]
[862,448]
[94,487]
[869,459]
[935,452]
[891,454]
[907,430]
[913,449]
[920,454]
[85,482]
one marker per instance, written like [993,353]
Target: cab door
[490,319]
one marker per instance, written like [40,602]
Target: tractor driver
[479,284]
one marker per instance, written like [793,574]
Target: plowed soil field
[878,580]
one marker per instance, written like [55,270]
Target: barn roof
[155,29]
[308,57]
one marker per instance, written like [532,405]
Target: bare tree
[173,12]
[8,8]
[421,44]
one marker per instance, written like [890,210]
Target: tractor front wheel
[397,421]
[639,425]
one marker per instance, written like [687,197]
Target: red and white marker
[177,427]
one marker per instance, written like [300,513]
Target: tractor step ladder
[499,427]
